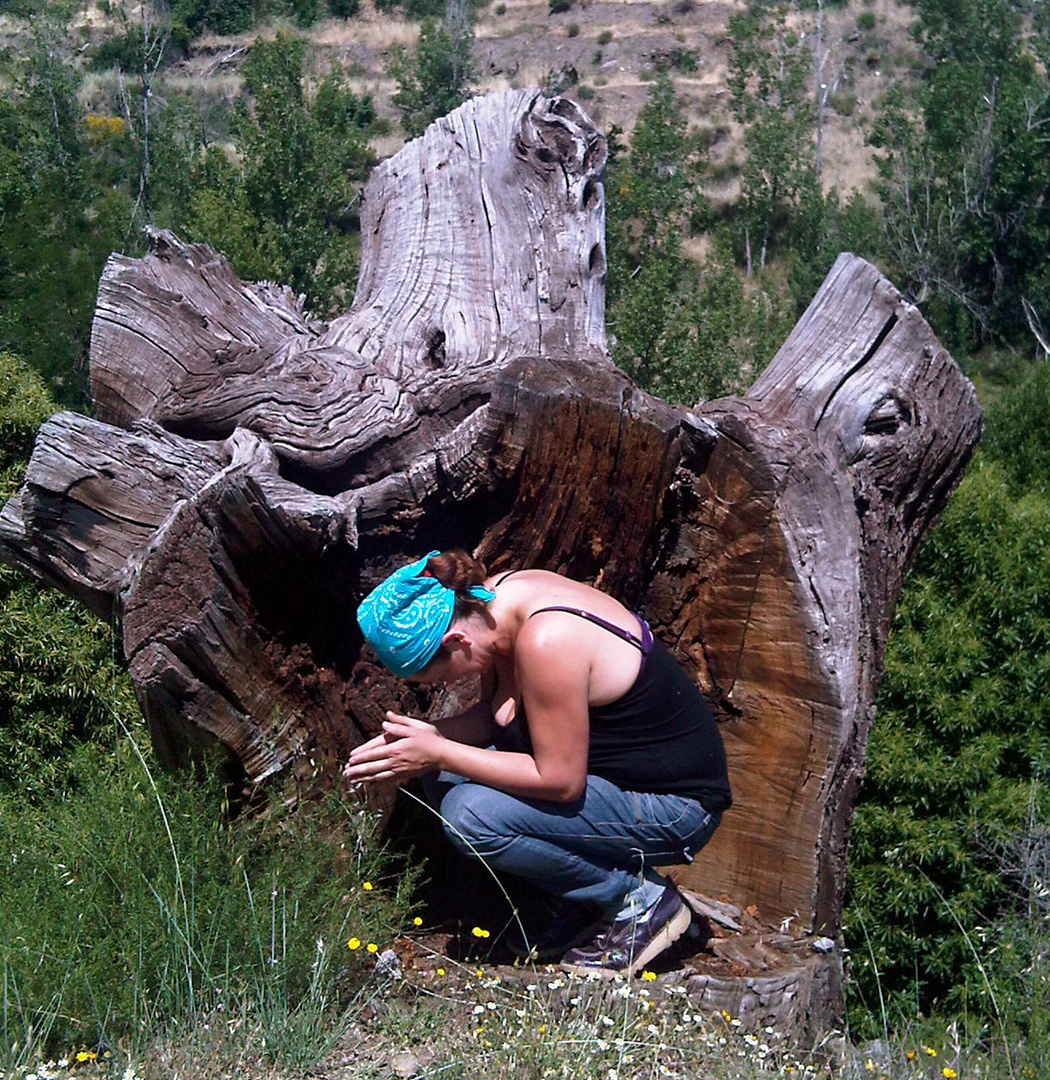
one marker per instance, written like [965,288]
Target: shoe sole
[669,933]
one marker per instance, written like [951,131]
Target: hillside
[604,53]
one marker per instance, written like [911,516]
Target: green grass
[134,907]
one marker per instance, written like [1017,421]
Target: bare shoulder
[558,651]
[531,591]
[552,667]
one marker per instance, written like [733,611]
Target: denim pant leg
[592,850]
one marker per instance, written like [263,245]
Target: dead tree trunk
[253,471]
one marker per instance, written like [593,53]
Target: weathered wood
[253,471]
[825,477]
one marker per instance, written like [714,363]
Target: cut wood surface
[252,472]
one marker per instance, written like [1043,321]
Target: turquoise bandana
[405,617]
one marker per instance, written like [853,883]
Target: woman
[618,765]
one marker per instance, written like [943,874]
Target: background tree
[150,34]
[683,330]
[768,82]
[64,206]
[965,173]
[437,77]
[286,207]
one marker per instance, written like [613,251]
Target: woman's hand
[407,747]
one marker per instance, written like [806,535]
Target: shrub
[123,51]
[24,405]
[866,21]
[191,18]
[558,7]
[605,37]
[58,683]
[1017,431]
[959,749]
[572,30]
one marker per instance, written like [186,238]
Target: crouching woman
[590,758]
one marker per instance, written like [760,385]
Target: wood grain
[253,471]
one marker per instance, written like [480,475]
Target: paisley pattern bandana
[405,617]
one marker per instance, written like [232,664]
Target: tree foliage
[436,78]
[285,208]
[62,209]
[58,682]
[768,70]
[965,173]
[684,331]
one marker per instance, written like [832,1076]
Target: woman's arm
[553,680]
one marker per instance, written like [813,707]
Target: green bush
[191,18]
[58,681]
[958,753]
[123,51]
[24,406]
[1018,431]
[436,79]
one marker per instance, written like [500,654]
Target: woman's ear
[457,638]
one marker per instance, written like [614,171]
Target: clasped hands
[406,747]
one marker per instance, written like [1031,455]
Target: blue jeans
[594,850]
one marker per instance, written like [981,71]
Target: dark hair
[456,570]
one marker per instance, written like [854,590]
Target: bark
[252,472]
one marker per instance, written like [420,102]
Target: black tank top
[660,736]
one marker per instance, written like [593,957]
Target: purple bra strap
[644,644]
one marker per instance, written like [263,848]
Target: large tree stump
[252,472]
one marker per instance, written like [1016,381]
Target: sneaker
[546,935]
[629,944]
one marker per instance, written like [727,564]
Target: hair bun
[457,569]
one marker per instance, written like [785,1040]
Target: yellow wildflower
[372,947]
[649,976]
[417,921]
[367,886]
[354,943]
[930,1050]
[948,1073]
[479,932]
[441,971]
